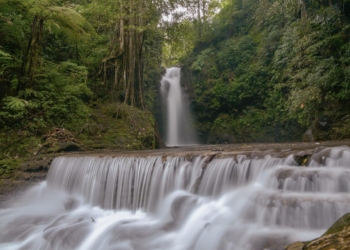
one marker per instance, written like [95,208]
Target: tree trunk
[199,19]
[126,53]
[32,57]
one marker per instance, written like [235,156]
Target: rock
[342,224]
[21,174]
[296,246]
[63,147]
[35,165]
[302,160]
[59,140]
[337,237]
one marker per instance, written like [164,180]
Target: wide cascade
[248,202]
[179,130]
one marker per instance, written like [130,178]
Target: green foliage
[8,168]
[14,103]
[57,100]
[272,68]
[261,71]
[50,63]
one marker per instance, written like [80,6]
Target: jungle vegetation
[254,71]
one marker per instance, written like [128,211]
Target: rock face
[17,175]
[337,237]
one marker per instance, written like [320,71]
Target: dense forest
[85,73]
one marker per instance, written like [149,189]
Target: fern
[27,93]
[68,22]
[4,55]
[59,19]
[14,102]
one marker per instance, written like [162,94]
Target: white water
[179,203]
[179,130]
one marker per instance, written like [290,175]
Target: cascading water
[180,203]
[179,130]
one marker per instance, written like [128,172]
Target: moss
[8,168]
[336,237]
[19,145]
[339,225]
[119,127]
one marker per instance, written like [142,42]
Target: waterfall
[179,130]
[185,202]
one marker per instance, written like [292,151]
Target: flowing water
[179,130]
[180,202]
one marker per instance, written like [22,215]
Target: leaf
[4,55]
[14,102]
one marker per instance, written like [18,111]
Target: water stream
[179,129]
[180,202]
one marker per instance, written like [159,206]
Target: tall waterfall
[180,202]
[179,130]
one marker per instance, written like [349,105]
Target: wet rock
[302,160]
[342,224]
[336,237]
[23,174]
[296,246]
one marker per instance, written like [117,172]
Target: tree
[122,68]
[59,19]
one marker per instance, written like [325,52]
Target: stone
[296,246]
[336,237]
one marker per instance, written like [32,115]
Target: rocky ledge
[18,174]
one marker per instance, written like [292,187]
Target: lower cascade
[180,202]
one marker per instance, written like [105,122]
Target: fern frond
[14,102]
[4,55]
[69,22]
[27,93]
[37,6]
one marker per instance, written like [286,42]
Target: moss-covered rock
[59,140]
[18,174]
[340,225]
[337,237]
